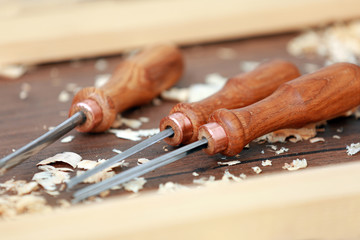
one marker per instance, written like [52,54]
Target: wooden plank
[58,32]
[321,203]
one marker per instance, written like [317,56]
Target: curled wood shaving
[170,187]
[336,136]
[135,185]
[142,161]
[229,163]
[98,177]
[267,162]
[228,176]
[354,148]
[256,169]
[281,150]
[297,135]
[134,135]
[13,71]
[316,139]
[64,96]
[67,139]
[295,165]
[70,158]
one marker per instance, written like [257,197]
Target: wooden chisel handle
[135,81]
[239,91]
[322,95]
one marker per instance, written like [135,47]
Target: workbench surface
[23,120]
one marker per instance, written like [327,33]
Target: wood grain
[314,97]
[239,91]
[47,33]
[135,81]
[23,120]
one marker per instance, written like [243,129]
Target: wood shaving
[131,123]
[104,193]
[204,180]
[354,148]
[67,139]
[226,53]
[90,164]
[19,187]
[295,165]
[165,148]
[196,92]
[195,174]
[156,102]
[316,139]
[247,66]
[25,90]
[101,65]
[144,119]
[64,96]
[135,185]
[117,151]
[176,94]
[311,67]
[340,130]
[13,71]
[243,176]
[297,135]
[98,177]
[229,163]
[337,43]
[142,161]
[49,179]
[282,150]
[72,88]
[70,158]
[134,135]
[228,176]
[256,169]
[273,147]
[267,162]
[336,136]
[170,187]
[10,206]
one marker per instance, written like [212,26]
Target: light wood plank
[92,28]
[318,203]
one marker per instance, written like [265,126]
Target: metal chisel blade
[138,170]
[41,142]
[138,147]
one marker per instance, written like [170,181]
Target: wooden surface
[23,120]
[320,203]
[42,32]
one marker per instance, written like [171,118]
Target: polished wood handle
[135,81]
[314,97]
[239,91]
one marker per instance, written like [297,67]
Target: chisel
[181,126]
[135,81]
[322,95]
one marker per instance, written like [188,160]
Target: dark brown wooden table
[23,120]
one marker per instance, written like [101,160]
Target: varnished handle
[322,95]
[239,91]
[135,81]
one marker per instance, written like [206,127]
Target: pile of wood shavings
[339,42]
